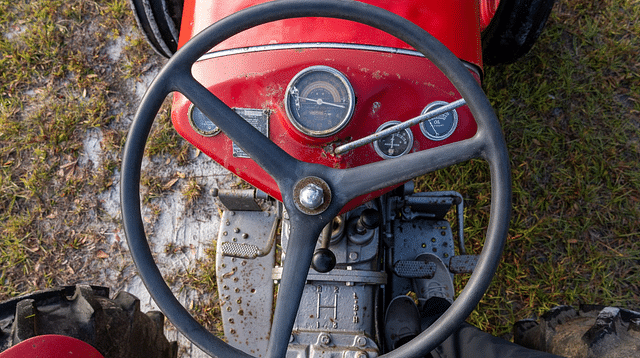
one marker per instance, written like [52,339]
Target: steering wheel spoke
[304,235]
[359,180]
[260,148]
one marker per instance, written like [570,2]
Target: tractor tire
[115,327]
[513,30]
[592,331]
[159,21]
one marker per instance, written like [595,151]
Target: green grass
[55,85]
[570,111]
[202,279]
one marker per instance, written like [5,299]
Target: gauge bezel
[198,130]
[449,132]
[386,125]
[345,119]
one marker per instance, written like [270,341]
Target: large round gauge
[319,101]
[393,145]
[439,127]
[201,123]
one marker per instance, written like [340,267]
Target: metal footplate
[244,259]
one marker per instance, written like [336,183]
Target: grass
[57,84]
[570,111]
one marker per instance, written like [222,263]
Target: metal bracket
[339,275]
[241,199]
[437,204]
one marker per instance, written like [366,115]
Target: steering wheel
[294,178]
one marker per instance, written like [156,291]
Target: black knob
[369,219]
[323,260]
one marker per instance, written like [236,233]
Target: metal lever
[399,127]
[324,260]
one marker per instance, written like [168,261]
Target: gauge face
[201,123]
[393,145]
[319,101]
[439,127]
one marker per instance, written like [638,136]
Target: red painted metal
[387,86]
[487,11]
[51,346]
[455,23]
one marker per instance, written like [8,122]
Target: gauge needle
[434,128]
[392,151]
[391,145]
[319,101]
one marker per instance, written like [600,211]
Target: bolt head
[325,339]
[311,196]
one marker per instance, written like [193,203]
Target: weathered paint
[388,86]
[456,24]
[51,346]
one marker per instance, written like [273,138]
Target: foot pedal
[414,269]
[250,221]
[244,251]
[463,263]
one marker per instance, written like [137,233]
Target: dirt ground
[74,71]
[76,237]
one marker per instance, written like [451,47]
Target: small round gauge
[393,145]
[319,101]
[439,127]
[201,123]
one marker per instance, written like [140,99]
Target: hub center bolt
[311,196]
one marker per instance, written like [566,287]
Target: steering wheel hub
[312,195]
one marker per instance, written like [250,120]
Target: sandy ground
[170,221]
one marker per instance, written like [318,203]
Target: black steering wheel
[338,186]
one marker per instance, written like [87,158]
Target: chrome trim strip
[297,46]
[316,45]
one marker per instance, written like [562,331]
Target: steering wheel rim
[488,143]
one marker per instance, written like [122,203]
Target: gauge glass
[440,127]
[319,101]
[201,123]
[393,145]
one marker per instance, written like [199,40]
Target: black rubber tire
[159,21]
[514,29]
[592,331]
[115,327]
